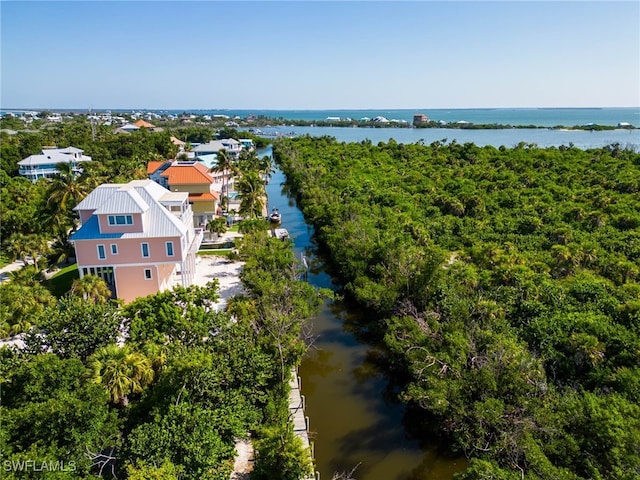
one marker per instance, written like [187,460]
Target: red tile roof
[202,197]
[154,165]
[142,124]
[187,173]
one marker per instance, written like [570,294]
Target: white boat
[275,216]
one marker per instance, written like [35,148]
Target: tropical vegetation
[161,387]
[166,383]
[505,284]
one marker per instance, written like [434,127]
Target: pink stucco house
[138,237]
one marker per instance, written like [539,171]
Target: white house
[44,165]
[232,146]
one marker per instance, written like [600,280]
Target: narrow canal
[355,419]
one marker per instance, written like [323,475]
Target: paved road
[12,267]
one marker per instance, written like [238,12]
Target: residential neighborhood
[141,237]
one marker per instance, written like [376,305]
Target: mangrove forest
[504,284]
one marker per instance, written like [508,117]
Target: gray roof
[98,197]
[113,198]
[123,200]
[70,150]
[55,155]
[215,145]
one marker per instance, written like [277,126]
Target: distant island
[25,119]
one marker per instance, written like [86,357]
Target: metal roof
[111,198]
[123,200]
[216,145]
[49,156]
[98,197]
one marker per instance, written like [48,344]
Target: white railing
[197,240]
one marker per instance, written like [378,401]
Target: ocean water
[544,117]
[509,137]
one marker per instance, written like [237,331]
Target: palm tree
[62,250]
[121,372]
[22,306]
[56,220]
[16,247]
[217,225]
[249,161]
[28,276]
[91,287]
[96,173]
[21,246]
[225,164]
[157,355]
[252,194]
[266,167]
[66,188]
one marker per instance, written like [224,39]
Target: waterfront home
[193,178]
[45,164]
[247,144]
[220,177]
[138,237]
[231,145]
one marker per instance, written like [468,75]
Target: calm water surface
[547,117]
[509,137]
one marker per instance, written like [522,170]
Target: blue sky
[319,55]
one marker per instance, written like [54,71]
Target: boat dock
[280,233]
[298,418]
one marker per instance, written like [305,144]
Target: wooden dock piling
[297,415]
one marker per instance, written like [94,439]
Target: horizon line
[306,109]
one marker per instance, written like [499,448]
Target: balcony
[186,216]
[182,212]
[197,240]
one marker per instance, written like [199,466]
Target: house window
[147,274]
[145,249]
[120,220]
[169,249]
[102,254]
[114,249]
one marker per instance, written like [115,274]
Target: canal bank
[355,417]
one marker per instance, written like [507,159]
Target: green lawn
[61,282]
[221,252]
